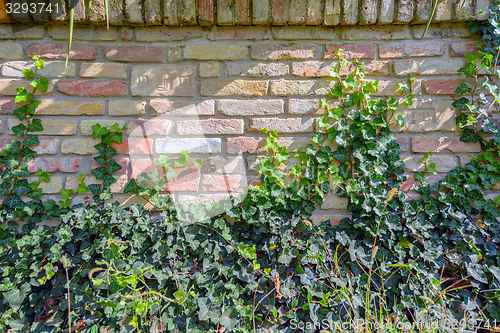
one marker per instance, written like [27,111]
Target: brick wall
[213,90]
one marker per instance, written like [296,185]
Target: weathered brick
[234,88]
[301,87]
[242,12]
[8,31]
[134,53]
[387,88]
[8,87]
[319,68]
[294,33]
[79,146]
[70,108]
[206,12]
[388,32]
[94,33]
[351,50]
[170,12]
[281,52]
[7,106]
[440,31]
[386,14]
[117,187]
[255,145]
[461,48]
[403,143]
[193,145]
[149,127]
[53,164]
[162,81]
[298,12]
[428,116]
[257,70]
[126,107]
[428,67]
[369,12]
[314,12]
[209,69]
[122,161]
[239,33]
[444,163]
[127,34]
[332,12]
[220,183]
[11,50]
[443,145]
[54,187]
[331,201]
[187,12]
[412,49]
[163,34]
[220,164]
[334,217]
[224,12]
[255,107]
[181,108]
[103,70]
[92,88]
[305,107]
[441,86]
[52,126]
[115,13]
[86,125]
[282,125]
[134,146]
[50,69]
[210,127]
[133,12]
[422,11]
[312,68]
[58,51]
[174,53]
[215,52]
[261,12]
[47,146]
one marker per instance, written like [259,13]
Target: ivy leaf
[23,95]
[113,166]
[41,84]
[66,193]
[31,140]
[5,188]
[463,88]
[35,125]
[470,135]
[22,187]
[19,130]
[82,188]
[99,172]
[98,131]
[198,163]
[461,104]
[131,187]
[15,297]
[207,312]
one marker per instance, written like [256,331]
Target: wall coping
[250,12]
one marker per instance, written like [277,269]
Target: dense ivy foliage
[262,264]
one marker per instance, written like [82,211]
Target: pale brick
[403,143]
[134,146]
[193,145]
[149,127]
[215,52]
[441,86]
[162,81]
[187,12]
[118,187]
[53,187]
[412,49]
[94,33]
[220,164]
[8,31]
[301,87]
[443,145]
[331,201]
[319,68]
[464,160]
[174,53]
[331,14]
[253,145]
[388,88]
[234,88]
[294,33]
[223,183]
[428,67]
[8,87]
[11,50]
[312,68]
[126,107]
[298,13]
[224,12]
[404,12]
[181,108]
[428,116]
[70,108]
[209,69]
[134,53]
[103,70]
[47,146]
[443,163]
[440,31]
[350,12]
[369,11]
[282,125]
[79,146]
[54,164]
[257,70]
[461,48]
[92,88]
[423,11]
[133,11]
[239,33]
[86,125]
[386,14]
[314,12]
[305,107]
[210,127]
[261,12]
[50,69]
[351,50]
[51,126]
[254,107]
[334,217]
[389,32]
[281,52]
[165,34]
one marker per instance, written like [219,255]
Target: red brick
[411,183]
[149,127]
[242,12]
[238,33]
[352,51]
[412,49]
[281,52]
[279,13]
[58,51]
[134,53]
[403,143]
[443,145]
[206,12]
[7,106]
[53,164]
[47,146]
[461,48]
[441,86]
[210,127]
[127,34]
[134,146]
[123,161]
[92,88]
[223,183]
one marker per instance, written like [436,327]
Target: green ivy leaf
[19,130]
[35,125]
